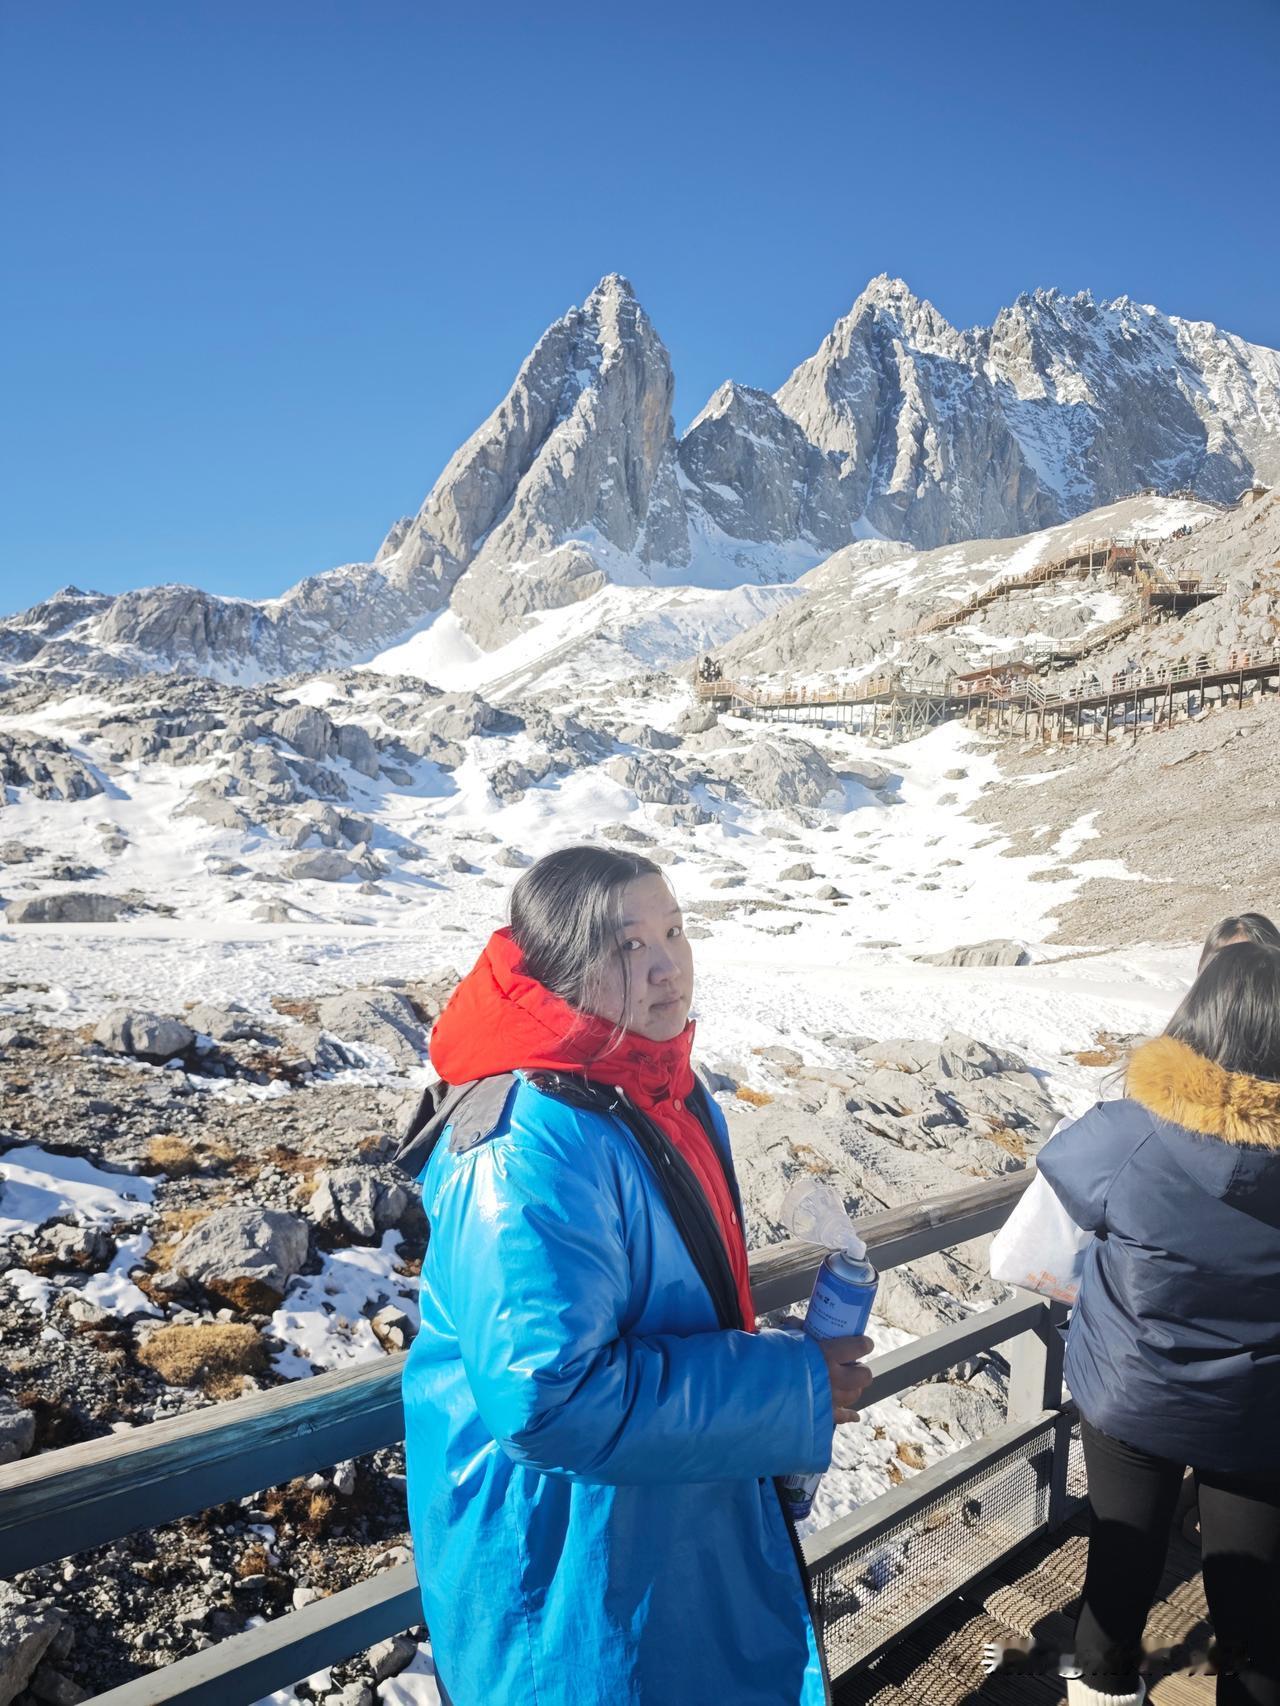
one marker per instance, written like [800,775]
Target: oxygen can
[839,1305]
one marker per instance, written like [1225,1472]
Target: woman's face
[655,991]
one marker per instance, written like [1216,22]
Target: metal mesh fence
[866,1596]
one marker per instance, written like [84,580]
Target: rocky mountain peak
[898,426]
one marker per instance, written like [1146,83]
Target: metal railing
[66,1501]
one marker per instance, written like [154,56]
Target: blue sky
[273,260]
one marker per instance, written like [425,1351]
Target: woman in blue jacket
[592,1420]
[1173,1351]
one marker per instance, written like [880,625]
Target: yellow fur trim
[1180,1085]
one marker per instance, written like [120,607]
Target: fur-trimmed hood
[1174,1082]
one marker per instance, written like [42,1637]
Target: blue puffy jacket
[1174,1342]
[589,1452]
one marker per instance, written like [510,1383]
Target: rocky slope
[899,426]
[854,613]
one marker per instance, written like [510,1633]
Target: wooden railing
[63,1502]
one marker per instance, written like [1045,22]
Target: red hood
[502,1020]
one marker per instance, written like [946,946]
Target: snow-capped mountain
[898,428]
[1062,405]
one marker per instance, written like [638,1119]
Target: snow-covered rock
[17,1433]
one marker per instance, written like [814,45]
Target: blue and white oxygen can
[839,1306]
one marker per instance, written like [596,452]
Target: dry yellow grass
[753,1098]
[911,1454]
[179,1157]
[214,1356]
[1107,1050]
[1012,1142]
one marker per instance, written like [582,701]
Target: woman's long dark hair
[1243,927]
[565,913]
[1231,1013]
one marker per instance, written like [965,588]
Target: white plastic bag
[1040,1247]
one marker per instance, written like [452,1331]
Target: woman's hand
[848,1376]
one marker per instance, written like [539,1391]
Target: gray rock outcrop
[147,1036]
[28,1628]
[44,767]
[1000,951]
[323,865]
[71,908]
[355,1202]
[246,1255]
[381,1019]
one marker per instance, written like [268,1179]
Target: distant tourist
[593,1421]
[1173,1351]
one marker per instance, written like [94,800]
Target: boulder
[512,859]
[640,734]
[376,1018]
[273,912]
[458,716]
[964,1057]
[653,780]
[355,1202]
[307,729]
[86,1248]
[17,1436]
[247,1256]
[865,774]
[323,865]
[28,1627]
[626,834]
[1001,951]
[964,1409]
[69,908]
[782,775]
[356,746]
[801,873]
[696,720]
[147,1036]
[230,1024]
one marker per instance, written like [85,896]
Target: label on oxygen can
[839,1307]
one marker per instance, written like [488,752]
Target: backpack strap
[473,1111]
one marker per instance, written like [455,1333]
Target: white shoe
[1080,1694]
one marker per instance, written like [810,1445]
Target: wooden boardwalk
[904,705]
[1034,1594]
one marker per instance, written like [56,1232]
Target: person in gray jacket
[1173,1349]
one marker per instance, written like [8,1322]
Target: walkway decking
[1034,1594]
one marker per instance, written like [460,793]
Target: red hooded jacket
[502,1020]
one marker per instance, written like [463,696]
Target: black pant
[1131,1502]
